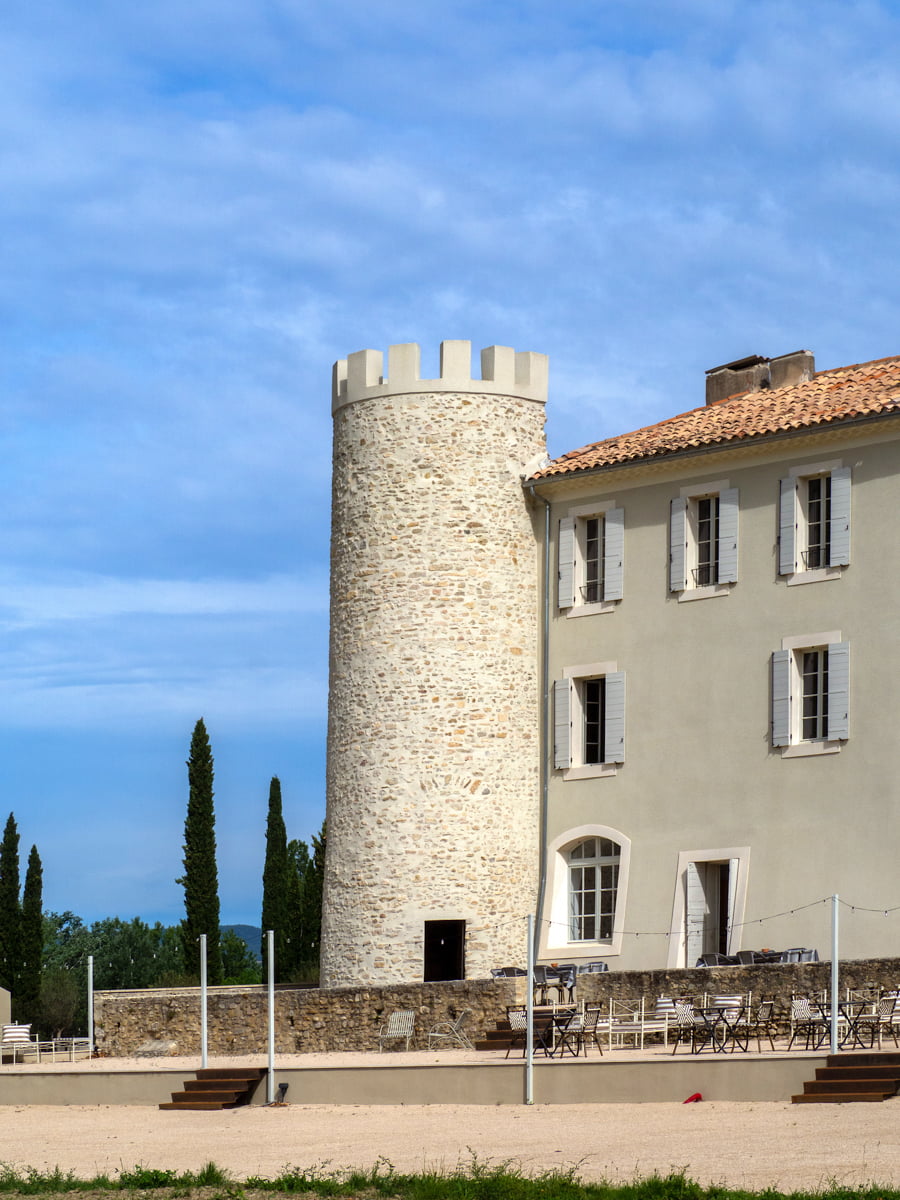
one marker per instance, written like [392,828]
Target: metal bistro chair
[451,1033]
[518,1023]
[763,1023]
[576,1031]
[690,1026]
[398,1025]
[809,1022]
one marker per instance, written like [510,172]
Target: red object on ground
[691,1099]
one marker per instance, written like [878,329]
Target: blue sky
[204,205]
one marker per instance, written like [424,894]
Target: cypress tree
[28,1000]
[200,879]
[10,913]
[275,887]
[298,863]
[311,889]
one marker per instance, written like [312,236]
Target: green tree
[200,879]
[10,913]
[275,911]
[28,999]
[297,864]
[307,877]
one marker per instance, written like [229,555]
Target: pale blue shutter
[613,554]
[677,546]
[787,527]
[562,724]
[566,556]
[781,698]
[614,728]
[728,535]
[839,547]
[839,690]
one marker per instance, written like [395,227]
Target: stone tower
[433,716]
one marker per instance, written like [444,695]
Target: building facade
[714,654]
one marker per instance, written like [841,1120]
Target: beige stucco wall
[5,1009]
[700,771]
[433,742]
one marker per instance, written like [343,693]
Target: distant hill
[252,935]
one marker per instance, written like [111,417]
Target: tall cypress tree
[293,960]
[275,886]
[311,890]
[200,879]
[10,913]
[28,999]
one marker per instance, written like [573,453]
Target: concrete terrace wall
[316,1019]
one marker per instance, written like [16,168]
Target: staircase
[216,1088]
[851,1078]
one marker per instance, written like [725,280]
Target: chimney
[756,374]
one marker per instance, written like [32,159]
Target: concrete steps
[216,1088]
[853,1079]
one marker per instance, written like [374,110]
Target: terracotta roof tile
[862,390]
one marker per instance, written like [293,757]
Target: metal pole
[529,1014]
[90,982]
[203,1039]
[270,957]
[834,973]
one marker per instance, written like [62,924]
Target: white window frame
[793,522]
[787,694]
[555,940]
[684,540]
[571,557]
[677,932]
[569,719]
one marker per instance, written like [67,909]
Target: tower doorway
[445,951]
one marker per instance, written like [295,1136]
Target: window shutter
[734,933]
[562,724]
[613,554]
[614,730]
[677,581]
[566,551]
[781,698]
[787,527]
[839,549]
[728,535]
[839,690]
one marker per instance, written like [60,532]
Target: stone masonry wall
[315,1019]
[433,744]
[306,1019]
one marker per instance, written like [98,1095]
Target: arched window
[593,888]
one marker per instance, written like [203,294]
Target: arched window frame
[555,939]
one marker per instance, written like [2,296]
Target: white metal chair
[398,1025]
[16,1040]
[451,1033]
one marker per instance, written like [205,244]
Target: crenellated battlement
[504,372]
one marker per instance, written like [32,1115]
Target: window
[589,720]
[593,886]
[587,885]
[591,545]
[814,522]
[703,540]
[810,694]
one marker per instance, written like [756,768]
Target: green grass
[472,1181]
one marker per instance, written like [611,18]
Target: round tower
[433,711]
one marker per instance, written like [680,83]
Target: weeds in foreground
[473,1180]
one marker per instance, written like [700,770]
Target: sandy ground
[754,1146]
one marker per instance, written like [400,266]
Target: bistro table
[726,1027]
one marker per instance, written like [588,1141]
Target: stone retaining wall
[315,1019]
[306,1019]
